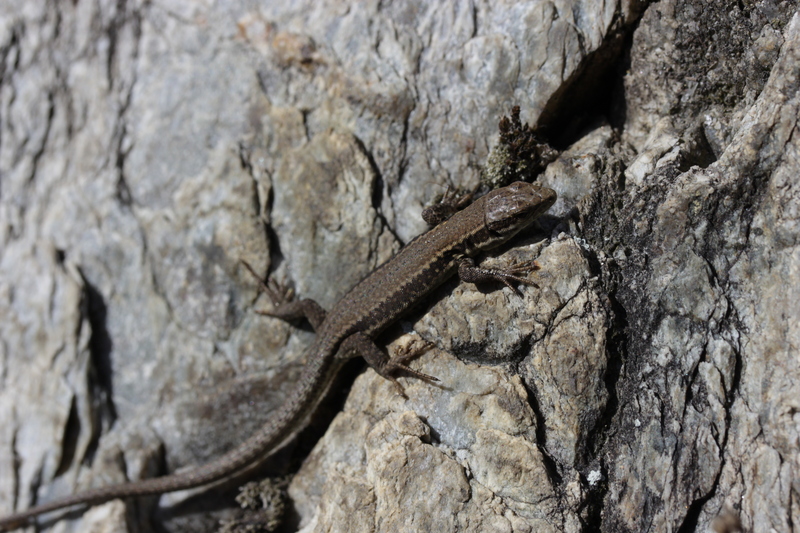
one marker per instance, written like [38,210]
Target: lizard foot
[398,362]
[515,272]
[467,271]
[447,206]
[278,293]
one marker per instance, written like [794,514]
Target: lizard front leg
[447,206]
[467,271]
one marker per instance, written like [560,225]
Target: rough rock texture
[650,383]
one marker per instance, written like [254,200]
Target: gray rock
[649,382]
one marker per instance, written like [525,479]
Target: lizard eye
[508,210]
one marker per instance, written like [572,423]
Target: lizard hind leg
[283,304]
[384,365]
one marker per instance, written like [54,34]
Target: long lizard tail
[303,399]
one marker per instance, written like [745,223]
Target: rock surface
[651,382]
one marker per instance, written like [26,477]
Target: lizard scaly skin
[350,327]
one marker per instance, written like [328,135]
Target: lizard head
[512,208]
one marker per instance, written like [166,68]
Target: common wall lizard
[350,327]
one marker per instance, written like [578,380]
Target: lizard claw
[513,273]
[402,356]
[450,203]
[278,293]
[391,367]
